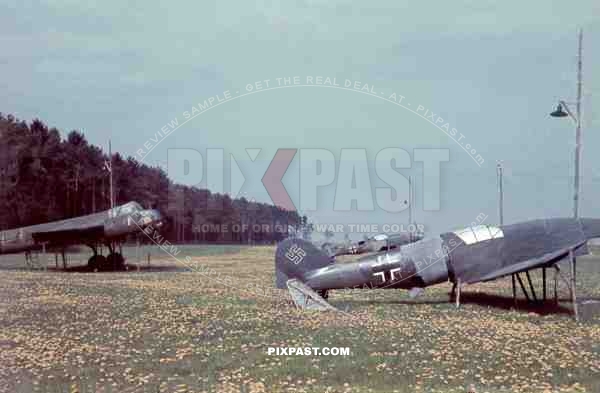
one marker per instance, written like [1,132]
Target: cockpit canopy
[479,233]
[127,209]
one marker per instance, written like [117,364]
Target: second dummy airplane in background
[109,228]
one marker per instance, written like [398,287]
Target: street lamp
[559,112]
[563,110]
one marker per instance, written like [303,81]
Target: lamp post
[562,110]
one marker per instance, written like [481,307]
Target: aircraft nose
[156,218]
[152,217]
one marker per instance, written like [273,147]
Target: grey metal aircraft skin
[377,243]
[383,242]
[108,227]
[474,254]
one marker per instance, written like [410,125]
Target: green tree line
[44,177]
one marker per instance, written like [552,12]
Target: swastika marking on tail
[295,254]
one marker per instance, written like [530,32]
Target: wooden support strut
[544,284]
[531,286]
[44,258]
[514,290]
[458,286]
[453,291]
[573,284]
[556,270]
[523,287]
[137,250]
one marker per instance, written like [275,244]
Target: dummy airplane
[468,256]
[383,242]
[375,243]
[109,228]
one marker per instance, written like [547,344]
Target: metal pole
[499,170]
[500,193]
[577,156]
[412,196]
[578,127]
[413,204]
[410,202]
[112,202]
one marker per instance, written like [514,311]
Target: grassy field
[207,327]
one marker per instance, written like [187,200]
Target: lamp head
[559,112]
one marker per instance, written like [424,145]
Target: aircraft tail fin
[296,257]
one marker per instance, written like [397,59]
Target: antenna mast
[500,193]
[409,200]
[109,167]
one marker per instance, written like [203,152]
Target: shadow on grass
[129,269]
[479,299]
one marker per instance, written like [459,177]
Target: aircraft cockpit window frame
[479,233]
[129,208]
[126,209]
[135,206]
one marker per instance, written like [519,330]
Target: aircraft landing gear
[115,261]
[96,263]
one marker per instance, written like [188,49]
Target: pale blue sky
[493,71]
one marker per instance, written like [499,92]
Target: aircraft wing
[71,230]
[78,230]
[69,233]
[544,260]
